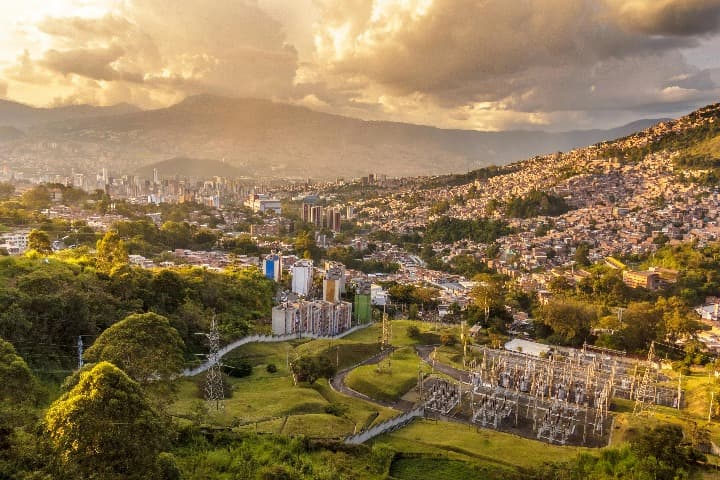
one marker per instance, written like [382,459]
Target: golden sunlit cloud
[453,63]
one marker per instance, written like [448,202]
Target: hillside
[190,168]
[267,138]
[24,116]
[10,133]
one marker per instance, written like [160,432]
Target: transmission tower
[213,382]
[385,340]
[386,332]
[80,352]
[645,394]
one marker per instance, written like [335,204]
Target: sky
[471,64]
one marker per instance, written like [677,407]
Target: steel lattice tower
[213,382]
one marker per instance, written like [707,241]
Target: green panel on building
[361,309]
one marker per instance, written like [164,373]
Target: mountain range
[263,138]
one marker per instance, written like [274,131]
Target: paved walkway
[191,372]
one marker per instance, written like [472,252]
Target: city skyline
[538,64]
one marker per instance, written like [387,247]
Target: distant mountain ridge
[265,138]
[21,116]
[190,168]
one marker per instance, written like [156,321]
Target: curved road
[337,382]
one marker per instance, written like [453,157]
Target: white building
[15,242]
[263,203]
[378,296]
[302,277]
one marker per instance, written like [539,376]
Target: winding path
[191,372]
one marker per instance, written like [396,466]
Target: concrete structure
[15,242]
[649,280]
[317,317]
[316,216]
[334,281]
[272,267]
[302,277]
[334,219]
[378,296]
[263,203]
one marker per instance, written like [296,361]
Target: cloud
[155,52]
[534,59]
[3,89]
[668,17]
[487,64]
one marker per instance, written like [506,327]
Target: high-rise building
[334,219]
[334,281]
[305,212]
[272,267]
[316,216]
[302,277]
[317,317]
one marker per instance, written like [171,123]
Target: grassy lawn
[466,443]
[254,398]
[697,387]
[387,385]
[262,354]
[433,468]
[318,425]
[360,412]
[269,402]
[347,352]
[453,355]
[429,333]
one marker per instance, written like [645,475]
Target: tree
[37,198]
[413,331]
[309,369]
[19,389]
[105,428]
[569,319]
[111,252]
[39,241]
[665,452]
[581,254]
[642,324]
[6,190]
[144,345]
[17,383]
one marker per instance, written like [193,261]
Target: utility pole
[80,352]
[712,397]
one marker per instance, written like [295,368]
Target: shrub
[413,331]
[337,409]
[238,368]
[448,339]
[271,368]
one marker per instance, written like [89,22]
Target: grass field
[438,468]
[429,333]
[388,385]
[466,443]
[271,403]
[343,353]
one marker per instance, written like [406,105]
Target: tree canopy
[145,346]
[105,428]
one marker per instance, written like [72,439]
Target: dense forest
[46,303]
